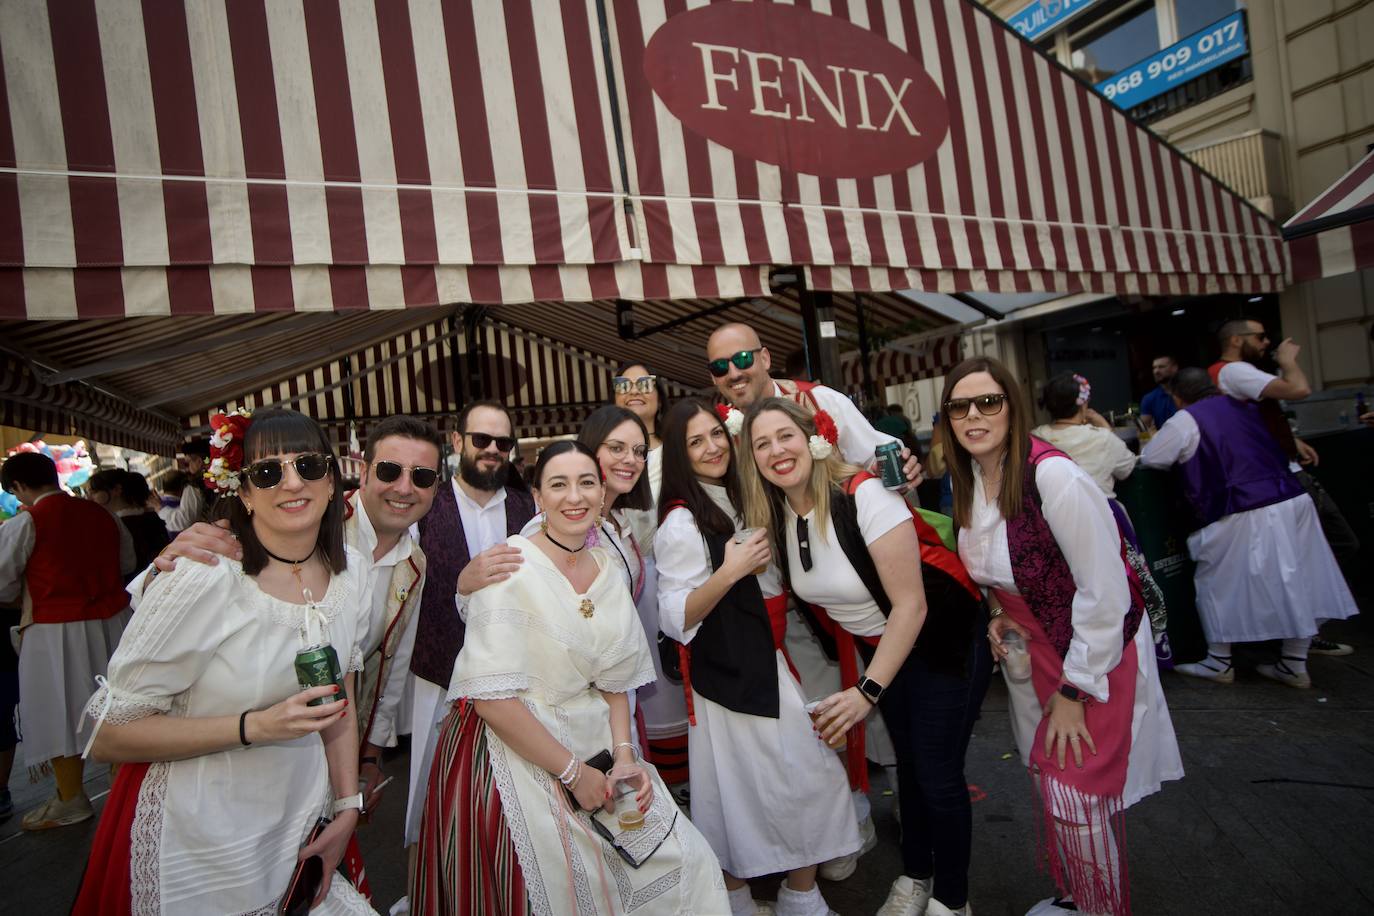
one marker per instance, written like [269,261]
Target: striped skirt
[466,863]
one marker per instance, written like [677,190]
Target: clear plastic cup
[1017,664]
[745,534]
[810,708]
[626,782]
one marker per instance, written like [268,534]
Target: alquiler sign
[802,90]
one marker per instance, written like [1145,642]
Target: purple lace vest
[1238,465]
[439,631]
[1041,573]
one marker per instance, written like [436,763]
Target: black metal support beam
[625,318]
[974,303]
[870,390]
[822,345]
[455,365]
[474,385]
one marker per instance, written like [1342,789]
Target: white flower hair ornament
[731,417]
[822,444]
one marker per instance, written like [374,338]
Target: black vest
[732,659]
[951,612]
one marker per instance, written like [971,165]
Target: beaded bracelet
[634,749]
[569,771]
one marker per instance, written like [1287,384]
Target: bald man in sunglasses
[399,480]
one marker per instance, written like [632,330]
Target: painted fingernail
[336,688]
[345,702]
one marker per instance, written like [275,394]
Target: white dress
[526,639]
[1265,573]
[1087,535]
[758,820]
[219,833]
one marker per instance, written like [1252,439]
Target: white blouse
[684,565]
[832,582]
[1083,526]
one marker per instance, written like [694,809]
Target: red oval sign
[805,91]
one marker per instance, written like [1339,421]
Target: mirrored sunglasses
[742,360]
[643,385]
[989,405]
[390,472]
[267,473]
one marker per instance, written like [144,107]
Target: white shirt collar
[497,500]
[367,536]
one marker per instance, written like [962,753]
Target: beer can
[318,666]
[889,464]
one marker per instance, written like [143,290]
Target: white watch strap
[350,801]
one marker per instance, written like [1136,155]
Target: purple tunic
[1238,466]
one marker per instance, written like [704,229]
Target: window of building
[1119,35]
[1194,15]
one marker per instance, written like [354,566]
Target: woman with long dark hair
[849,548]
[720,596]
[541,687]
[227,766]
[1088,716]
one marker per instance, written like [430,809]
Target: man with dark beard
[480,508]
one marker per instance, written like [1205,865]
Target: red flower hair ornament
[822,445]
[225,471]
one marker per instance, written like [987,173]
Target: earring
[544,524]
[249,507]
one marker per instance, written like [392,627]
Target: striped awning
[919,144]
[925,356]
[1334,234]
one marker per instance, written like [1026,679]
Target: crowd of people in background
[659,660]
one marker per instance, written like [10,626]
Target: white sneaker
[936,908]
[1052,906]
[908,897]
[742,903]
[58,813]
[841,868]
[1208,670]
[1285,675]
[802,903]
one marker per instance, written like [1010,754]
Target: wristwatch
[871,689]
[1070,692]
[349,801]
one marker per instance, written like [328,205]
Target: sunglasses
[267,473]
[744,359]
[645,384]
[804,543]
[390,472]
[482,440]
[989,405]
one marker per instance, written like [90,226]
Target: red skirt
[105,885]
[466,863]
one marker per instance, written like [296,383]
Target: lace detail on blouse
[145,843]
[124,707]
[489,687]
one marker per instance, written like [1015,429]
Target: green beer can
[318,666]
[889,464]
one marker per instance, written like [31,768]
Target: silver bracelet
[634,748]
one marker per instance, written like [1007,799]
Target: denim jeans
[930,717]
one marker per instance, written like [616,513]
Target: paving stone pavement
[1274,814]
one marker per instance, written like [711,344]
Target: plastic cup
[745,534]
[1017,664]
[810,708]
[625,783]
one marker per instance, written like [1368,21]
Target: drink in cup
[810,708]
[625,784]
[745,534]
[1017,664]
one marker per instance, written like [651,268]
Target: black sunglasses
[267,473]
[482,440]
[804,543]
[989,405]
[742,360]
[642,385]
[390,472]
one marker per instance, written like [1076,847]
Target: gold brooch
[401,595]
[586,607]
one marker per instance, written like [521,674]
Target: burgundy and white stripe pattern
[1334,234]
[78,410]
[413,374]
[166,158]
[902,361]
[1041,184]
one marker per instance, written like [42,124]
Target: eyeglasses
[619,450]
[643,385]
[804,543]
[267,473]
[482,440]
[744,359]
[989,405]
[390,472]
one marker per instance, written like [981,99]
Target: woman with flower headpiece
[1084,435]
[719,595]
[851,551]
[228,764]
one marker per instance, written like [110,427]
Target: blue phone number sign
[1204,50]
[1043,16]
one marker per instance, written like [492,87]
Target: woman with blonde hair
[853,551]
[1090,718]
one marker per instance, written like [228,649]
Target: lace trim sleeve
[355,661]
[489,687]
[641,678]
[120,707]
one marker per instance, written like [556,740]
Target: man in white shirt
[1244,343]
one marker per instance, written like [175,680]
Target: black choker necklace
[295,564]
[560,546]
